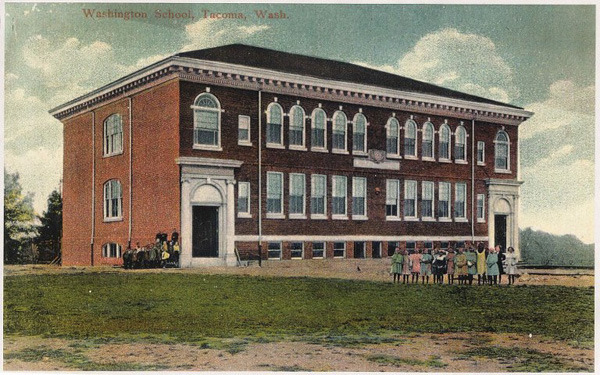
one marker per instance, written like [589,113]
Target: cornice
[249,78]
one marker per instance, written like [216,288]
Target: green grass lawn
[190,307]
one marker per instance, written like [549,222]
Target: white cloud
[72,68]
[209,32]
[566,106]
[464,62]
[558,197]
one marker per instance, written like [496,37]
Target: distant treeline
[544,249]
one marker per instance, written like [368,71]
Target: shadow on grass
[76,360]
[525,360]
[433,361]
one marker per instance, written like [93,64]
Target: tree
[19,227]
[50,230]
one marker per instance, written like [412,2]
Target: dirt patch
[355,269]
[411,352]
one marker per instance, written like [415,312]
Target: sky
[539,57]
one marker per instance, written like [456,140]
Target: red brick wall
[156,192]
[77,183]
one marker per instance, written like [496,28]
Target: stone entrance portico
[208,182]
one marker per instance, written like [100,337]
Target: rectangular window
[338,195]
[392,245]
[427,199]
[428,245]
[480,152]
[318,194]
[376,252]
[244,199]
[411,246]
[359,250]
[410,199]
[359,196]
[274,250]
[444,200]
[444,245]
[296,132]
[392,201]
[297,193]
[318,250]
[274,193]
[481,207]
[460,204]
[243,130]
[297,250]
[339,249]
[206,127]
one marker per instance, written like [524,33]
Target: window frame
[456,202]
[343,256]
[362,151]
[334,184]
[292,250]
[323,215]
[269,123]
[388,128]
[414,205]
[441,190]
[396,217]
[364,250]
[297,215]
[443,129]
[364,215]
[324,250]
[280,214]
[108,203]
[334,118]
[107,250]
[481,147]
[111,144]
[196,108]
[496,150]
[291,117]
[481,219]
[241,119]
[428,125]
[413,125]
[313,128]
[243,214]
[424,185]
[269,257]
[460,159]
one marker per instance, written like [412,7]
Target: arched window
[340,124]
[460,144]
[410,138]
[113,135]
[427,152]
[113,200]
[359,134]
[274,124]
[444,142]
[319,129]
[296,126]
[207,121]
[392,128]
[502,151]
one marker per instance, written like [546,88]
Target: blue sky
[538,57]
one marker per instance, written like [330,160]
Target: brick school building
[286,156]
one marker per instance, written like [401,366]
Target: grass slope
[189,307]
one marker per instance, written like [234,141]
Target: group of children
[488,264]
[162,253]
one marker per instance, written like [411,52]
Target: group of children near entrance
[488,264]
[162,253]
